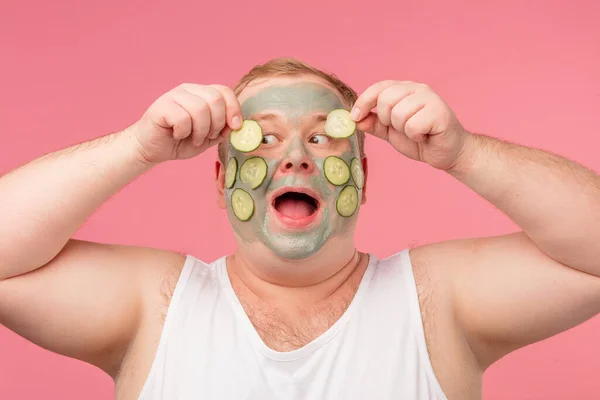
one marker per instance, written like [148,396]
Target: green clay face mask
[294,165]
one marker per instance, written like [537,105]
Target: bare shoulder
[433,265]
[159,279]
[157,272]
[452,360]
[482,298]
[96,296]
[506,293]
[161,284]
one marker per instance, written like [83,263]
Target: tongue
[294,208]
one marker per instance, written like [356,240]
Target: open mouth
[296,206]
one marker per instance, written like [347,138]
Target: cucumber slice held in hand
[230,172]
[248,137]
[242,204]
[357,172]
[253,171]
[347,201]
[339,124]
[336,170]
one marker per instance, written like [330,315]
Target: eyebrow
[265,117]
[318,117]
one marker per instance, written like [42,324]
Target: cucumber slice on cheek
[336,170]
[242,204]
[347,201]
[357,172]
[254,171]
[339,124]
[230,172]
[248,137]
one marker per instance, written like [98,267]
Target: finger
[225,132]
[178,119]
[199,112]
[405,109]
[420,124]
[233,107]
[216,105]
[372,125]
[368,99]
[189,151]
[212,142]
[388,99]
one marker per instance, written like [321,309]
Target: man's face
[295,210]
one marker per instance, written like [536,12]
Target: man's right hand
[86,300]
[185,121]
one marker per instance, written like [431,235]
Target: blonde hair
[294,67]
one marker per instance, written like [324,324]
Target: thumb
[232,105]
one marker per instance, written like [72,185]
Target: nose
[297,160]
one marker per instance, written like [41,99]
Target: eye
[269,139]
[319,139]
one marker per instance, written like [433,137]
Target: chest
[208,352]
[351,361]
[291,329]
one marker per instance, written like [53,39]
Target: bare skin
[480,298]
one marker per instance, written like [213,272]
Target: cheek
[348,193]
[335,147]
[246,173]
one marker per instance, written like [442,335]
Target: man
[297,312]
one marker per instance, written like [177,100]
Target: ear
[366,173]
[220,182]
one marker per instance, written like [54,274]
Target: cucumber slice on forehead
[253,171]
[339,124]
[230,172]
[336,170]
[347,201]
[357,172]
[242,204]
[248,137]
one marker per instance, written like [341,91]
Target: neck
[296,282]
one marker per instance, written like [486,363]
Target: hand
[185,121]
[414,120]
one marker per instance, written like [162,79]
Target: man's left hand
[415,121]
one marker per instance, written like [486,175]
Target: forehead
[296,94]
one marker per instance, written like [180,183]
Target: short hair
[293,67]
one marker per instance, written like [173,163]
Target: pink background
[74,70]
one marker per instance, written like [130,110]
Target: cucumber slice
[230,172]
[357,172]
[347,201]
[336,170]
[253,171]
[242,204]
[339,124]
[248,137]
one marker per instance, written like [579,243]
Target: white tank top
[209,349]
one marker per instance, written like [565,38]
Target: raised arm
[531,285]
[43,203]
[81,299]
[508,291]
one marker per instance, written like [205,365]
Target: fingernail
[236,122]
[355,114]
[197,144]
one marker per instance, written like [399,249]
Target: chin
[295,246]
